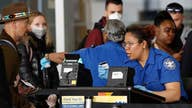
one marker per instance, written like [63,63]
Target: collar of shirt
[150,60]
[122,52]
[6,36]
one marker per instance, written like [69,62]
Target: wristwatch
[47,56]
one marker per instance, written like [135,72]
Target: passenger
[182,40]
[182,31]
[155,71]
[165,34]
[34,48]
[113,10]
[15,20]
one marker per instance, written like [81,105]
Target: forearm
[171,94]
[56,57]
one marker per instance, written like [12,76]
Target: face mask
[39,31]
[115,15]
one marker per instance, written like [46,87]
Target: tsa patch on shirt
[169,64]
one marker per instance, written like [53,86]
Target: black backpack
[83,41]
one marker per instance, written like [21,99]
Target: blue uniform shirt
[110,52]
[160,68]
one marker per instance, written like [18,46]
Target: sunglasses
[174,10]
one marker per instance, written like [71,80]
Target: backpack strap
[8,43]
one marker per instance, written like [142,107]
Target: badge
[169,64]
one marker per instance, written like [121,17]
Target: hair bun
[149,30]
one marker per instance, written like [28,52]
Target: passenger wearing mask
[155,71]
[113,10]
[35,48]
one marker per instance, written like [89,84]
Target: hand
[143,88]
[51,100]
[178,55]
[32,105]
[57,57]
[45,63]
[103,70]
[16,82]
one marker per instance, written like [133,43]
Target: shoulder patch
[169,64]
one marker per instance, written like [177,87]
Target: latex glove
[45,63]
[103,70]
[51,100]
[80,61]
[143,88]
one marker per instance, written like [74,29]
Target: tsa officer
[156,71]
[99,58]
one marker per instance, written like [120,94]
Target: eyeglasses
[128,44]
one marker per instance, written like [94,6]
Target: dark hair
[141,33]
[161,17]
[174,7]
[117,2]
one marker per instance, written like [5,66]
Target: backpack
[83,41]
[8,43]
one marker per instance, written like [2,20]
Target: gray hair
[115,29]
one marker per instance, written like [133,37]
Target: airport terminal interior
[69,22]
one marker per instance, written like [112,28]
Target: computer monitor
[74,73]
[120,76]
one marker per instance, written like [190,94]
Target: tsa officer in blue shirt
[99,58]
[156,71]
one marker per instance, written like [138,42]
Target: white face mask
[115,15]
[39,31]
